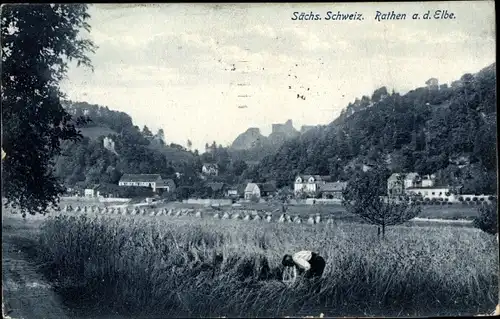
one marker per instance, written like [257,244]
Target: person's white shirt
[302,258]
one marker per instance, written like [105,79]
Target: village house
[332,190]
[232,192]
[309,184]
[267,189]
[166,185]
[153,181]
[91,192]
[210,169]
[397,183]
[428,180]
[252,190]
[432,192]
[413,184]
[218,188]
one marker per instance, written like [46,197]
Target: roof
[250,187]
[210,165]
[241,188]
[252,163]
[216,186]
[140,177]
[430,187]
[333,187]
[316,177]
[268,187]
[432,176]
[411,176]
[394,177]
[165,182]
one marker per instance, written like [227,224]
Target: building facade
[309,184]
[210,169]
[332,190]
[153,181]
[252,190]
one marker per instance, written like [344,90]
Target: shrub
[487,220]
[467,199]
[474,199]
[254,199]
[461,199]
[481,199]
[450,203]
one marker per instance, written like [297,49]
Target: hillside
[95,132]
[447,130]
[252,146]
[112,146]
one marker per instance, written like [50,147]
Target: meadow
[139,266]
[451,212]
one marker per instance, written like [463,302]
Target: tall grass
[199,268]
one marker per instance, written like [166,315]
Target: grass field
[143,266]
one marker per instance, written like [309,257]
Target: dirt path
[26,294]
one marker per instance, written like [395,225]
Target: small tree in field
[487,220]
[364,196]
[254,199]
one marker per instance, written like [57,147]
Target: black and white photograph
[249,160]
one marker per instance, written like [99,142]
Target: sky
[171,66]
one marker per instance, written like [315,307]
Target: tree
[363,197]
[146,132]
[38,41]
[189,144]
[161,135]
[239,167]
[487,220]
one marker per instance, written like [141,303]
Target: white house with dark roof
[252,190]
[210,169]
[398,182]
[154,181]
[309,183]
[332,190]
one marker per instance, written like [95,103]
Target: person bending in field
[306,263]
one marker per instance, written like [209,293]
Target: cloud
[167,65]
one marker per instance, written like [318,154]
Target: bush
[468,199]
[474,199]
[481,199]
[487,220]
[450,203]
[461,199]
[254,199]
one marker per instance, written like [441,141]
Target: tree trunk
[378,232]
[383,231]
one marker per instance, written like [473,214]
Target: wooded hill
[449,131]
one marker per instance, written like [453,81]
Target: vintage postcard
[249,160]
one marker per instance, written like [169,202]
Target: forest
[447,131]
[444,130]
